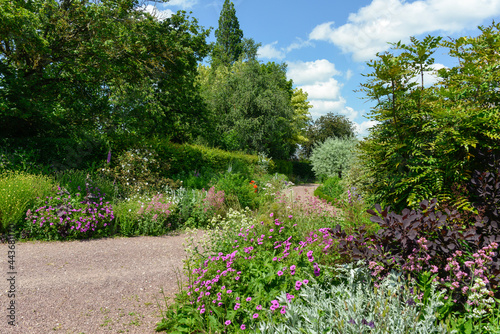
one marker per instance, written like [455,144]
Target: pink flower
[243,327]
[228,322]
[255,315]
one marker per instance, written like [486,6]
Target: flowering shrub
[150,217]
[138,171]
[63,216]
[227,283]
[430,247]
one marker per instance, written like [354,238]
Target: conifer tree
[228,47]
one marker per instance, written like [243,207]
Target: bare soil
[110,285]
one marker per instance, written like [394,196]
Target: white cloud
[269,51]
[311,72]
[159,14]
[368,31]
[299,44]
[324,90]
[348,74]
[184,4]
[430,78]
[363,128]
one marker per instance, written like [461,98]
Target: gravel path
[98,286]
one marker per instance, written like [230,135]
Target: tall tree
[229,44]
[423,145]
[251,108]
[82,66]
[301,116]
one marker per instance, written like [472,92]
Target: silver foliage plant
[333,156]
[357,306]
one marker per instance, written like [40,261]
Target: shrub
[138,172]
[333,156]
[235,184]
[227,285]
[427,245]
[18,193]
[331,190]
[150,218]
[354,305]
[63,216]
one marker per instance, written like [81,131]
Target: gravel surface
[98,286]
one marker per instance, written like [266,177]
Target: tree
[301,116]
[333,156]
[423,145]
[229,37]
[69,68]
[326,126]
[251,109]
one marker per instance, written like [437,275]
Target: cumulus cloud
[269,51]
[324,90]
[368,31]
[159,14]
[310,72]
[363,128]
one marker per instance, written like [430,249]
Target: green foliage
[333,156]
[238,186]
[422,145]
[18,193]
[65,216]
[63,76]
[74,181]
[250,106]
[145,216]
[353,304]
[326,126]
[229,44]
[188,157]
[301,115]
[138,171]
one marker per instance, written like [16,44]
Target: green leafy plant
[333,156]
[353,304]
[64,216]
[18,193]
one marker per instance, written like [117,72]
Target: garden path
[107,285]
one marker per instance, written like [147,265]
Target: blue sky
[326,43]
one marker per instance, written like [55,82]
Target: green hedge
[187,157]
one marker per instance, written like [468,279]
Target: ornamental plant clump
[228,283]
[63,216]
[354,305]
[428,246]
[150,218]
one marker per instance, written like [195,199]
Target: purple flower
[249,299]
[109,157]
[255,315]
[259,307]
[229,291]
[243,327]
[228,322]
[280,273]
